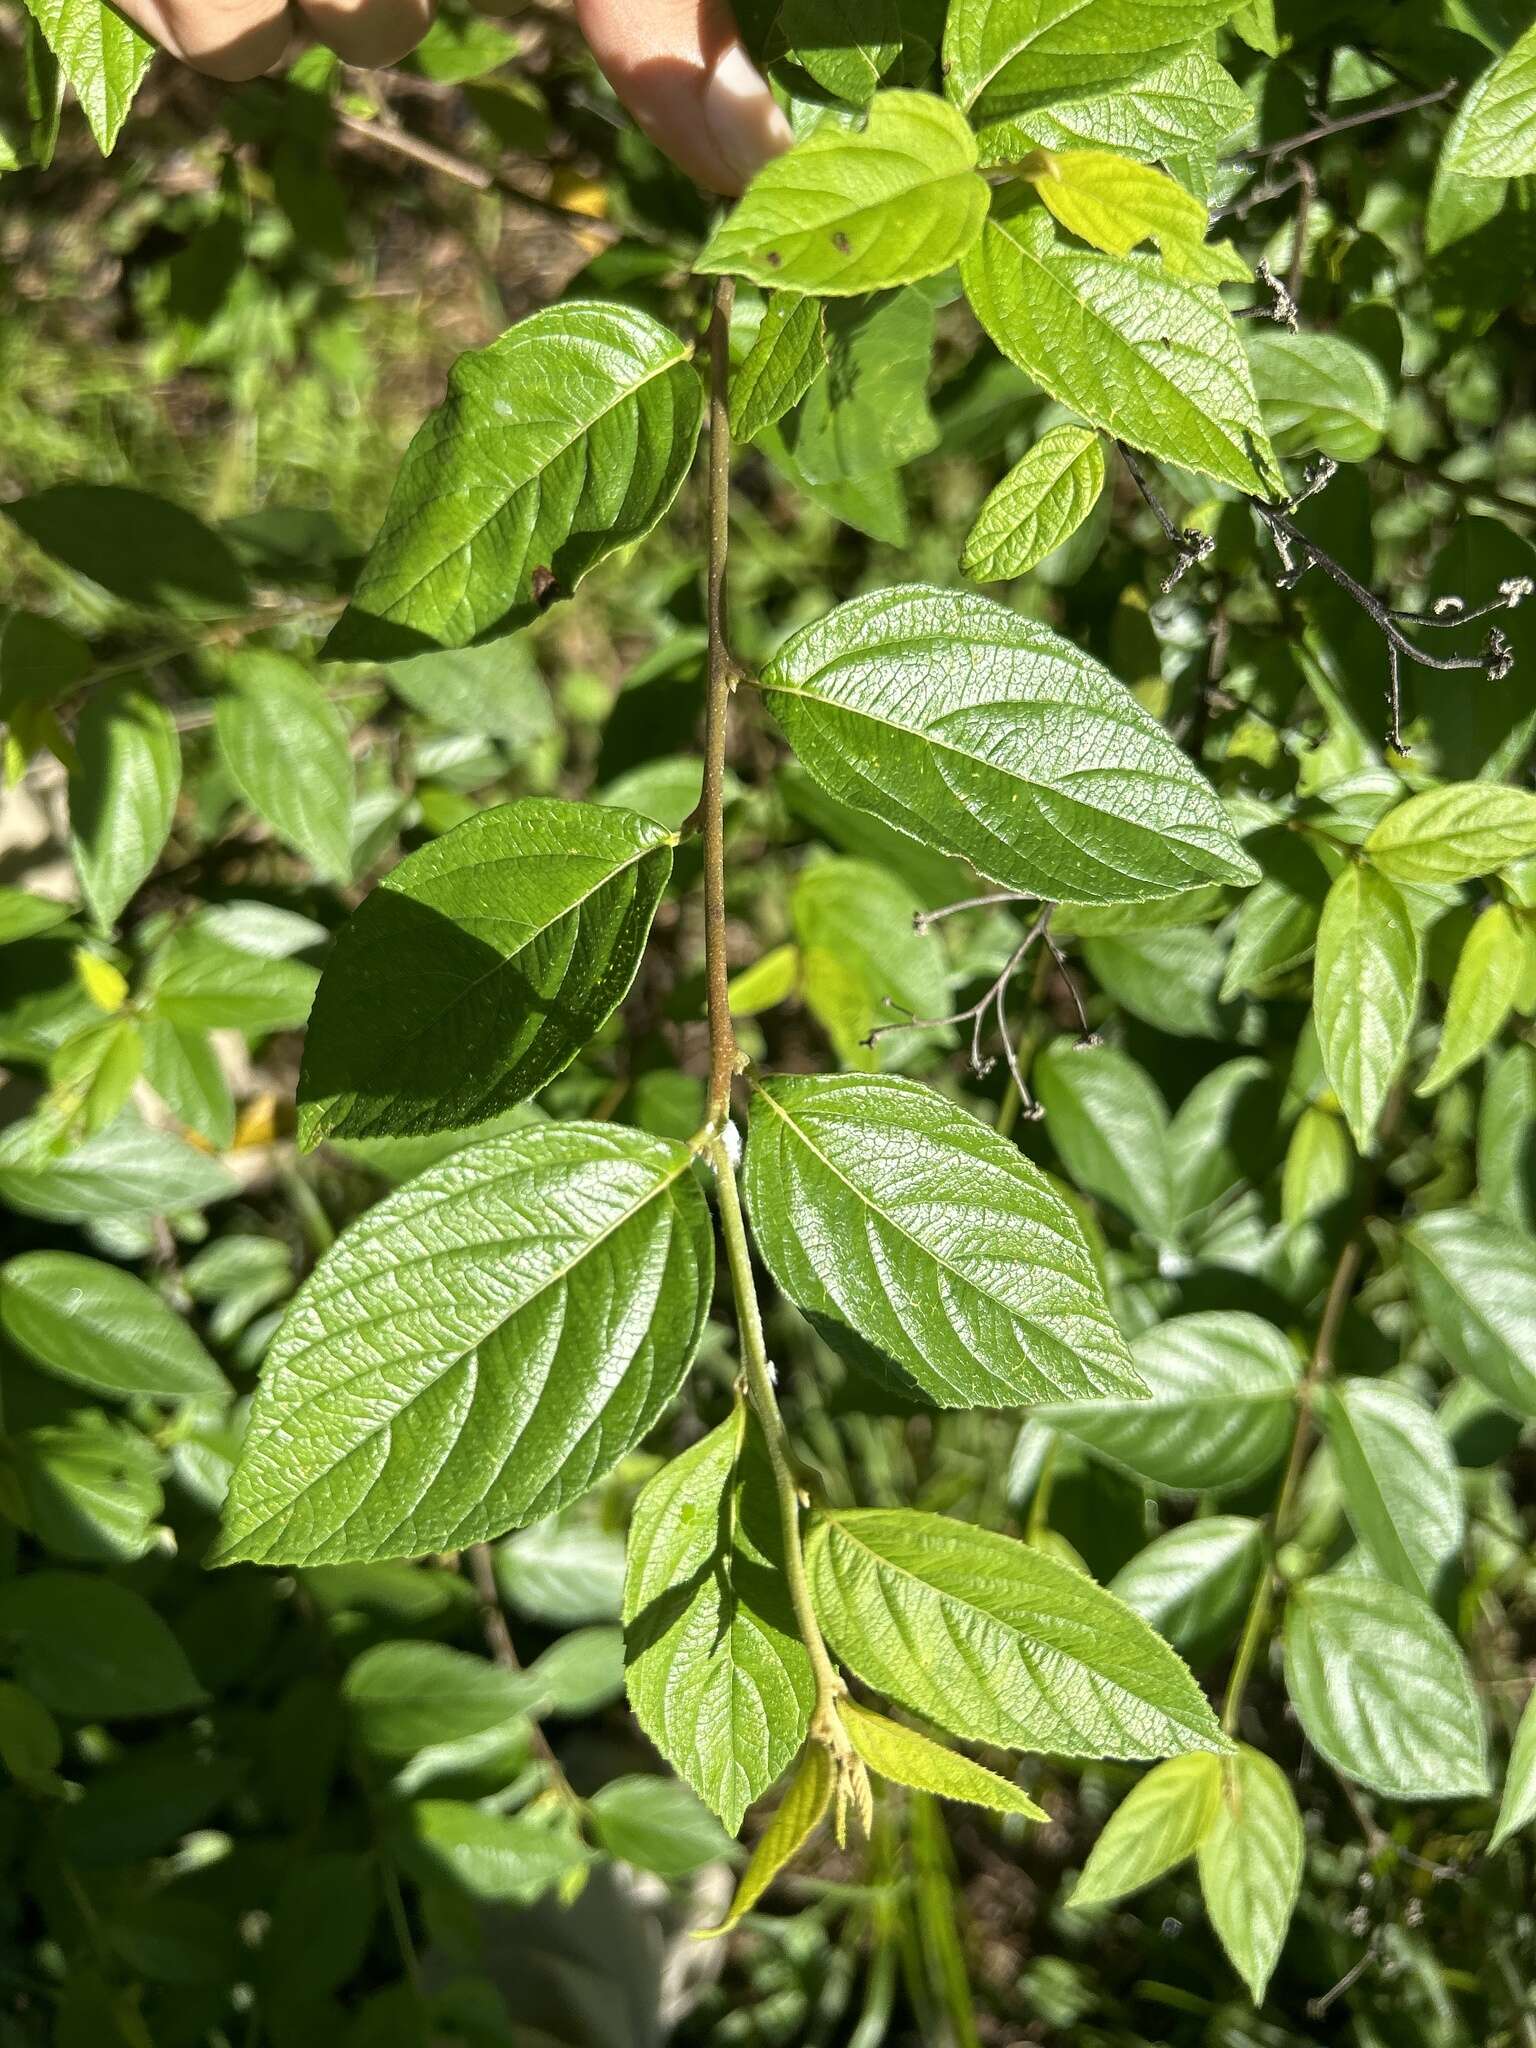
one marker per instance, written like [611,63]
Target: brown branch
[723,1058]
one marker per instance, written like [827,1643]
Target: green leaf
[94,1650]
[183,1069]
[122,793]
[1365,992]
[860,960]
[893,1218]
[403,1697]
[1113,203]
[1506,1140]
[1488,978]
[849,47]
[769,981]
[478,969]
[495,1857]
[1454,833]
[785,360]
[718,1676]
[1495,131]
[1193,1584]
[870,412]
[128,1169]
[1276,927]
[657,1824]
[495,690]
[1250,1862]
[859,209]
[98,1327]
[908,1758]
[1110,1126]
[92,1488]
[558,1279]
[563,1573]
[101,55]
[31,1746]
[1187,107]
[557,445]
[1382,1689]
[1475,1280]
[1045,497]
[983,733]
[1160,1823]
[796,1819]
[1006,56]
[1038,1656]
[145,550]
[201,983]
[1517,1808]
[23,915]
[1319,1166]
[1149,358]
[1401,1487]
[1318,391]
[1223,1387]
[285,746]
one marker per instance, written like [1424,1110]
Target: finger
[369,33]
[233,39]
[684,73]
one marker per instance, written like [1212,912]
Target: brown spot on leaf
[546,587]
[842,245]
[774,259]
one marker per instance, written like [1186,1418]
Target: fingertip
[745,121]
[369,33]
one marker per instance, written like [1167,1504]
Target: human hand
[678,65]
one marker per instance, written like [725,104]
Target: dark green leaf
[1475,1280]
[98,1327]
[479,968]
[785,360]
[93,1650]
[122,793]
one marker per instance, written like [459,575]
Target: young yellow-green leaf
[1005,56]
[785,360]
[1112,203]
[101,55]
[1250,1861]
[123,785]
[1484,990]
[768,981]
[1365,992]
[1318,391]
[1495,132]
[1223,1387]
[1402,1491]
[1475,1279]
[1382,1689]
[1147,357]
[988,736]
[104,984]
[477,1350]
[859,209]
[1517,1808]
[557,445]
[996,1642]
[800,1812]
[285,746]
[1045,497]
[478,969]
[1455,833]
[98,1327]
[909,1232]
[1160,1822]
[908,1758]
[718,1676]
[406,1696]
[1188,107]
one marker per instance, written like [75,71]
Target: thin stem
[498,1640]
[723,1058]
[725,1061]
[1270,152]
[1253,1636]
[759,1377]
